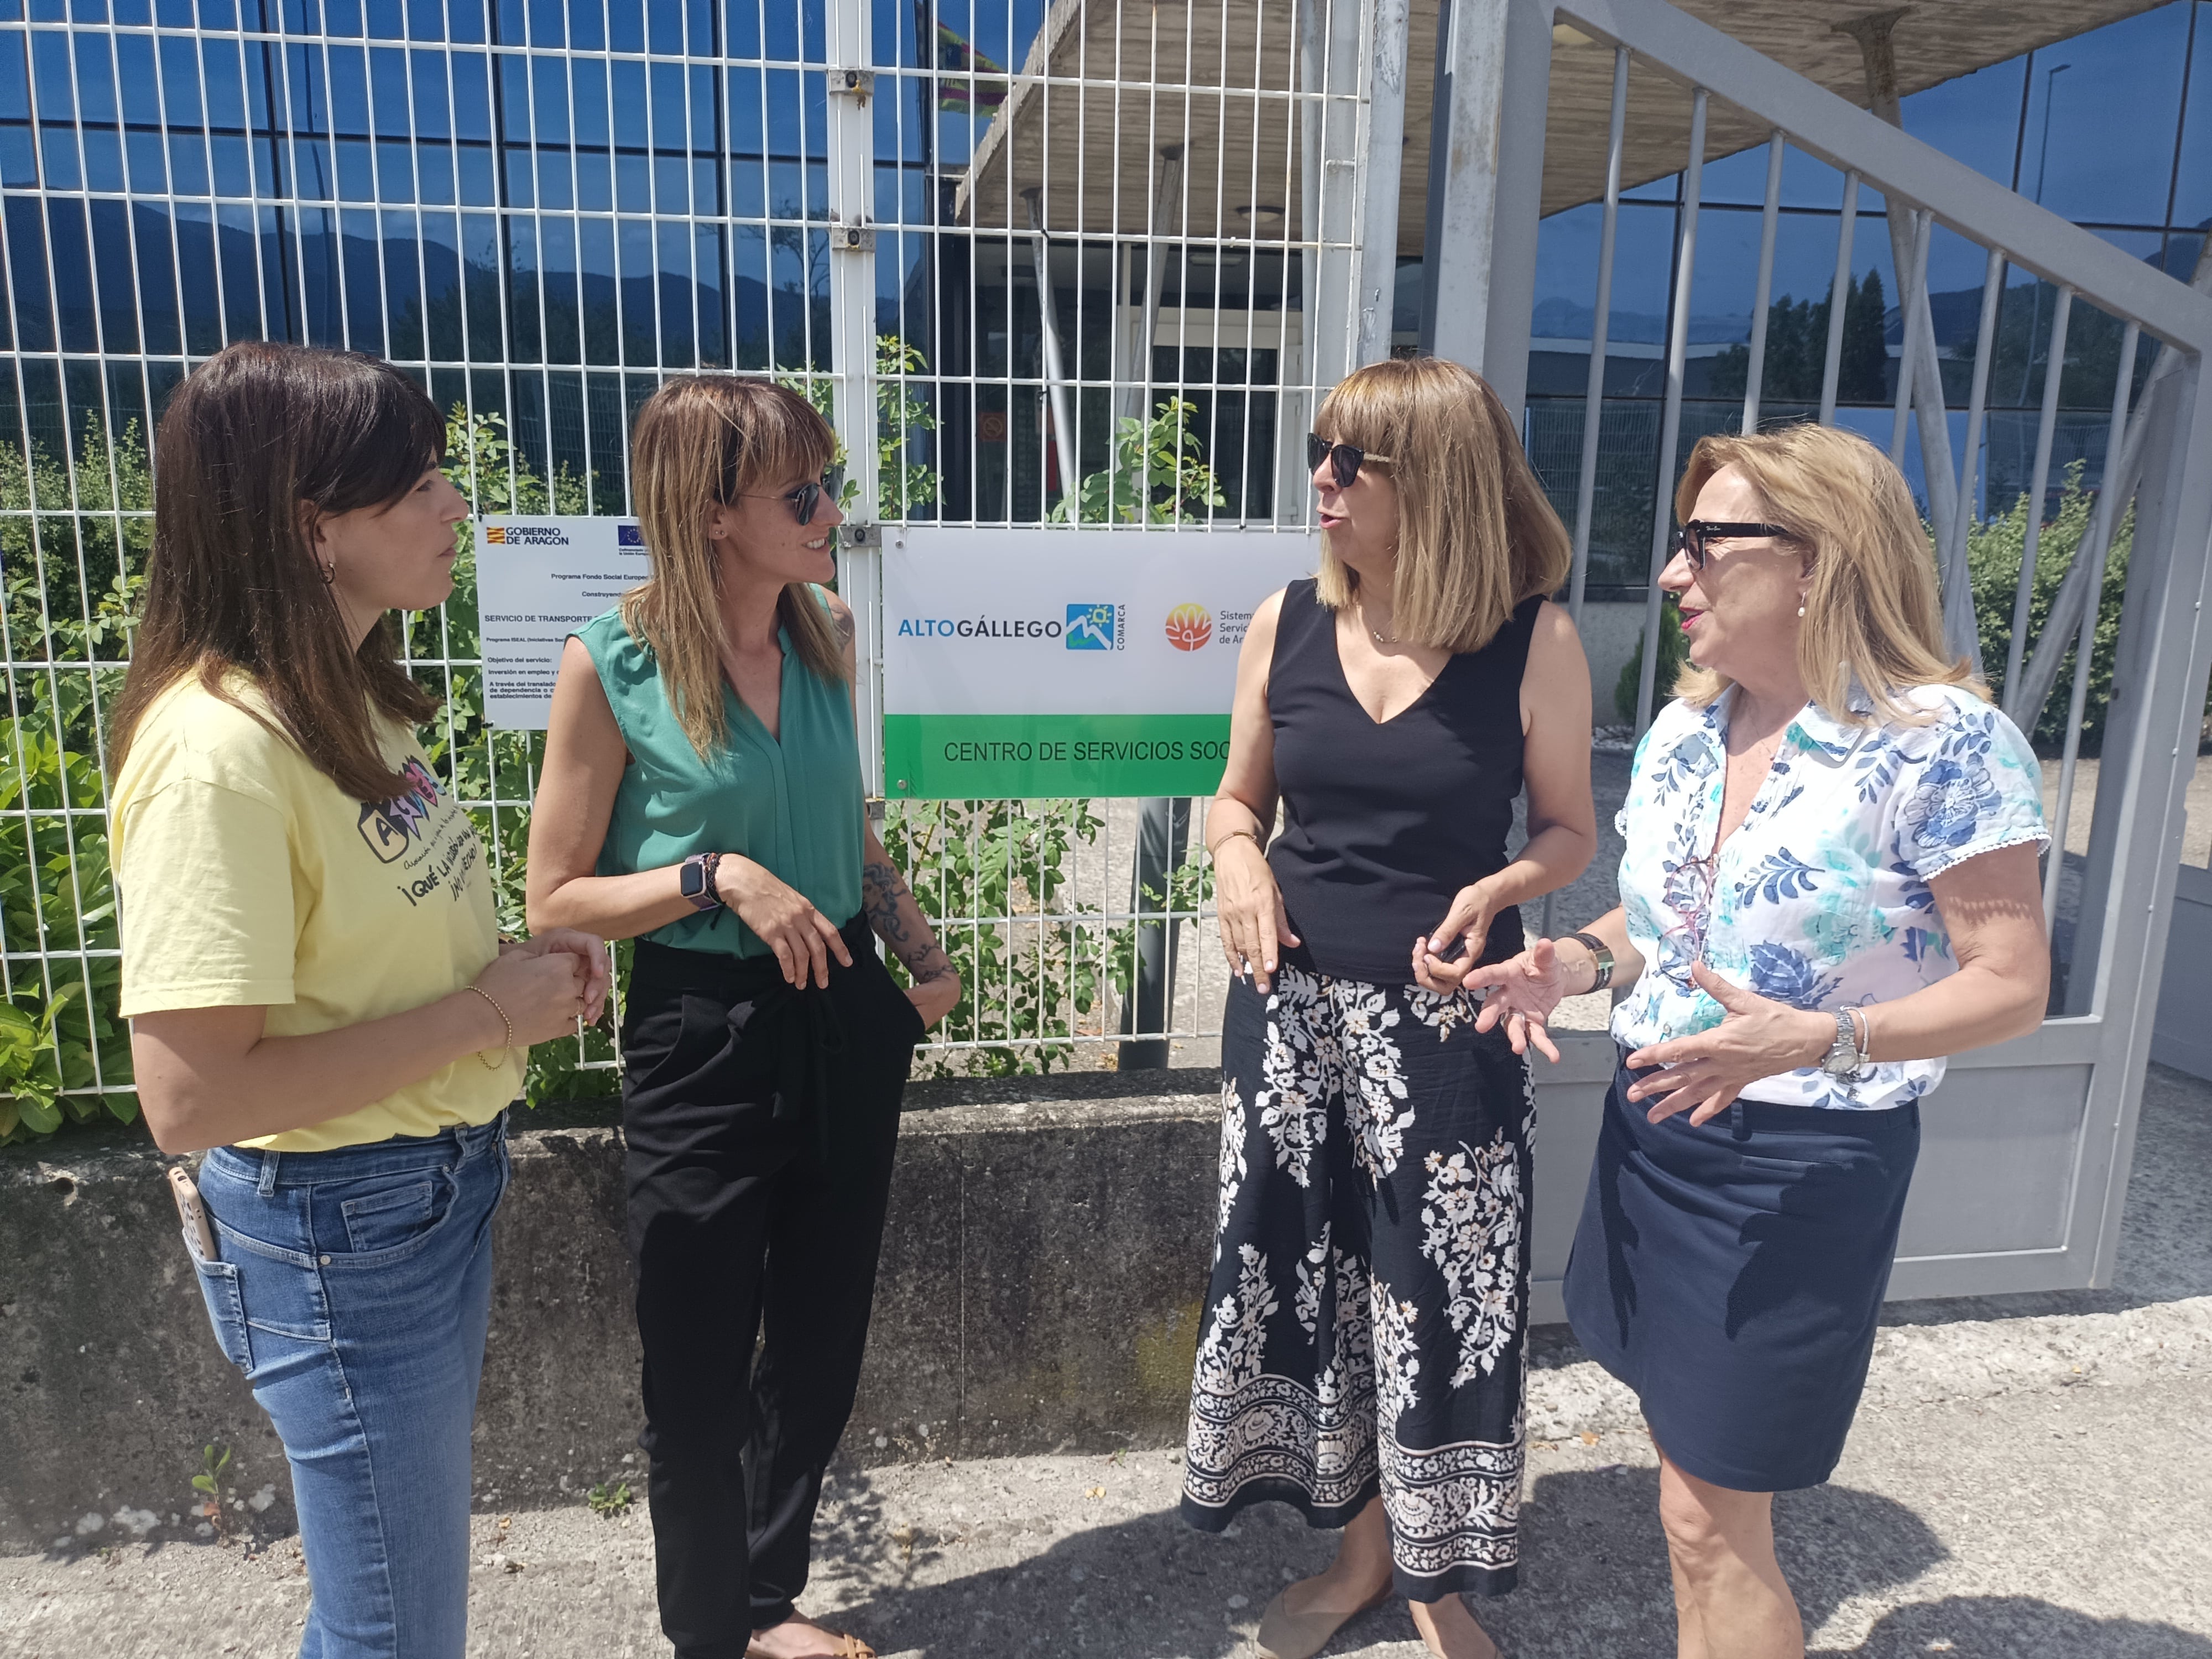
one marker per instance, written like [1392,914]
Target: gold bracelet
[1213,849]
[506,1047]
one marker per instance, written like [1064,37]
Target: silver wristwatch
[1844,1060]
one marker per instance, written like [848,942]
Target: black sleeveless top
[1382,824]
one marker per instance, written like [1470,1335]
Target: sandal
[1287,1635]
[848,1647]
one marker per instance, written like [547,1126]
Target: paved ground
[2028,1477]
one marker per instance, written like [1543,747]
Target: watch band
[1601,954]
[696,883]
[1844,1060]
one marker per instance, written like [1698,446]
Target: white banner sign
[538,581]
[1052,661]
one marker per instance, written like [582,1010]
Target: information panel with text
[1047,661]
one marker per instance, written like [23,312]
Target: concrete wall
[1040,1289]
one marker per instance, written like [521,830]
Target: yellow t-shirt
[247,878]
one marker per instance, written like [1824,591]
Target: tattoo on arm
[843,619]
[881,891]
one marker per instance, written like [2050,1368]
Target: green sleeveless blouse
[793,807]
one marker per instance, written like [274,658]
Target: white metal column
[1486,187]
[851,85]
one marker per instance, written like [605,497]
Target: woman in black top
[1368,1297]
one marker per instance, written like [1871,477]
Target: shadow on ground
[1594,1564]
[2013,1627]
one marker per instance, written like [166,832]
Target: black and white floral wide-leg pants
[1365,1320]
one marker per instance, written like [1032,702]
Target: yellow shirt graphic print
[247,878]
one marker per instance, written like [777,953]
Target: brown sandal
[848,1647]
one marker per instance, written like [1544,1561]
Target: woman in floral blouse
[1830,884]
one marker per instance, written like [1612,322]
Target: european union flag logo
[629,535]
[1089,627]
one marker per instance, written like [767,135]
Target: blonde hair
[1476,535]
[701,441]
[1874,620]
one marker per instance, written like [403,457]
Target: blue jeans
[353,1290]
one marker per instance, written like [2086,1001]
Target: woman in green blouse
[701,793]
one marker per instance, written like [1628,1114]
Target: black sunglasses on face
[1344,460]
[1691,538]
[802,501]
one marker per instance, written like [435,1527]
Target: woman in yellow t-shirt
[317,987]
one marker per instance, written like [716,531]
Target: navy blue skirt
[1732,1275]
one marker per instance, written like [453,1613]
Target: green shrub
[1674,652]
[1993,556]
[1030,981]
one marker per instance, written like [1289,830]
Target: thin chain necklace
[1375,633]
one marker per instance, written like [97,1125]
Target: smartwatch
[695,879]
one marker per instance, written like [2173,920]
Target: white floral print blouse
[1821,898]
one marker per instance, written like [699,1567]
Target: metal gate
[2027,1145]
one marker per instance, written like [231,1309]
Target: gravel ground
[2051,1520]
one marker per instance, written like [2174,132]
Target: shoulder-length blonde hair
[701,441]
[1874,621]
[1476,535]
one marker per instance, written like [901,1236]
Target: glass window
[2102,113]
[2192,179]
[1741,178]
[1974,118]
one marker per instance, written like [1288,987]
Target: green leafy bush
[1158,476]
[1674,652]
[72,539]
[1994,550]
[75,529]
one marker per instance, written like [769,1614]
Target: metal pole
[2121,473]
[1601,331]
[851,138]
[2030,549]
[1055,379]
[1916,285]
[1670,422]
[1920,367]
[1962,634]
[1839,296]
[1136,399]
[2098,543]
[1382,152]
[1769,224]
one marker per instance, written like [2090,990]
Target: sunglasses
[1344,460]
[803,501]
[1691,538]
[1688,892]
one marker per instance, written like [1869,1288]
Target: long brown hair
[1873,616]
[1476,534]
[701,441]
[255,433]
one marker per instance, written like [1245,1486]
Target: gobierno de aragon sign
[1052,662]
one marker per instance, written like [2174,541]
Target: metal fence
[989,269]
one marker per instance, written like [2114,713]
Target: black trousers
[760,1123]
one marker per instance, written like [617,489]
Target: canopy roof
[1213,77]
